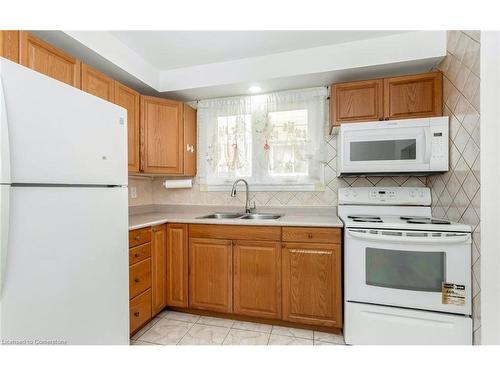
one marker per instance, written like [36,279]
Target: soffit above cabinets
[209,64]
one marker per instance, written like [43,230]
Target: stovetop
[407,222]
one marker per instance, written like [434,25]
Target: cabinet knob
[136,314]
[310,235]
[137,238]
[136,255]
[136,280]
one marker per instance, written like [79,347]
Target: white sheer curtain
[275,141]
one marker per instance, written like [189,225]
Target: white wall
[490,187]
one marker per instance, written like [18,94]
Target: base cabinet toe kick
[290,275]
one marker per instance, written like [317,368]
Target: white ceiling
[175,49]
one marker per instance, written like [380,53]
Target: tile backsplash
[456,194]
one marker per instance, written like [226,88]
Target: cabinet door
[140,311]
[210,274]
[312,284]
[190,144]
[38,55]
[356,101]
[419,95]
[159,268]
[177,265]
[130,100]
[9,44]
[162,136]
[257,278]
[96,83]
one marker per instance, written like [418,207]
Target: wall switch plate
[133,192]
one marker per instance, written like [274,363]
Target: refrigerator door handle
[4,139]
[4,231]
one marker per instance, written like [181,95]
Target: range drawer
[140,311]
[140,277]
[305,234]
[139,236]
[138,253]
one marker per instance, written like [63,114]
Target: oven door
[415,269]
[385,148]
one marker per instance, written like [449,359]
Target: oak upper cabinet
[312,284]
[189,140]
[159,268]
[96,83]
[162,136]
[357,101]
[38,55]
[413,96]
[210,274]
[9,44]
[257,278]
[177,265]
[130,100]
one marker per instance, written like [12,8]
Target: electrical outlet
[133,192]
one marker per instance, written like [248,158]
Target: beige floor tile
[318,342]
[144,329]
[245,337]
[139,342]
[293,332]
[288,340]
[201,334]
[329,337]
[183,317]
[163,314]
[218,322]
[249,326]
[167,332]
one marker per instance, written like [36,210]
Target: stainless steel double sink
[241,216]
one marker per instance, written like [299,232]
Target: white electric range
[407,275]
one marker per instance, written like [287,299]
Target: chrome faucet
[248,209]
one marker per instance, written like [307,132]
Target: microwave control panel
[438,146]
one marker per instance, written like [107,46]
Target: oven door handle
[456,238]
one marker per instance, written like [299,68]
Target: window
[275,141]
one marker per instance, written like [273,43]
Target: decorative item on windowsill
[183,183]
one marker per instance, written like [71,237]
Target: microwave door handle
[404,239]
[427,144]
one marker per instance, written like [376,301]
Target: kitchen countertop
[296,216]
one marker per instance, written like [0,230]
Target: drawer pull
[137,255]
[136,314]
[137,238]
[309,235]
[136,280]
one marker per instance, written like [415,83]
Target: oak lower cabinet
[257,278]
[159,268]
[312,284]
[210,274]
[177,265]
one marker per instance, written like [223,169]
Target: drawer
[139,277]
[235,232]
[318,235]
[139,236]
[138,253]
[140,311]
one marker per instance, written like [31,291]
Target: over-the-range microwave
[391,148]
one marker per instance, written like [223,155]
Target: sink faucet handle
[254,207]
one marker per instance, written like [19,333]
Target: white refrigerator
[63,213]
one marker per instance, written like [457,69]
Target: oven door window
[410,270]
[398,149]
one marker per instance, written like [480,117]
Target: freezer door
[58,134]
[66,275]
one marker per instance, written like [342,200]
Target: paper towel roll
[178,184]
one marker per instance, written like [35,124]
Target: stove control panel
[396,196]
